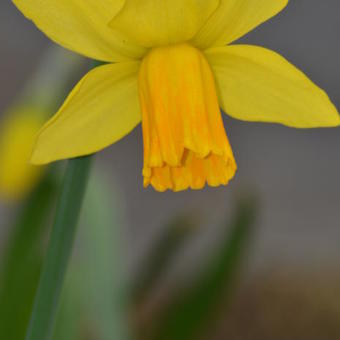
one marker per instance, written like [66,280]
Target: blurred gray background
[296,173]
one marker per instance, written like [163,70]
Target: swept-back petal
[100,110]
[235,18]
[256,84]
[81,26]
[154,23]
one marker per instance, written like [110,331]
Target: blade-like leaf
[104,288]
[21,263]
[194,308]
[161,254]
[59,249]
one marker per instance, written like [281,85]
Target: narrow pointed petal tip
[100,110]
[256,84]
[234,19]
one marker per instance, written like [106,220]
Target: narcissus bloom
[17,136]
[171,67]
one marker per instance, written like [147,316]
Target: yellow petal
[100,110]
[81,26]
[17,136]
[185,143]
[153,22]
[256,84]
[235,18]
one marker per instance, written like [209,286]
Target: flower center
[185,144]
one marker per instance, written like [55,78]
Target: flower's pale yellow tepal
[17,136]
[171,67]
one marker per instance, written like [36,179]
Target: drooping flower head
[171,67]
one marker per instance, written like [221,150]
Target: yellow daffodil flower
[17,135]
[171,67]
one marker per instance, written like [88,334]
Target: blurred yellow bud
[17,136]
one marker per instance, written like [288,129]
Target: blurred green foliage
[193,308]
[100,263]
[95,303]
[70,313]
[21,262]
[177,232]
[60,249]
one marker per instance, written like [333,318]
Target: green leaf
[194,308]
[70,316]
[174,236]
[59,249]
[104,287]
[94,301]
[20,266]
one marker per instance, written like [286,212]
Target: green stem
[59,249]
